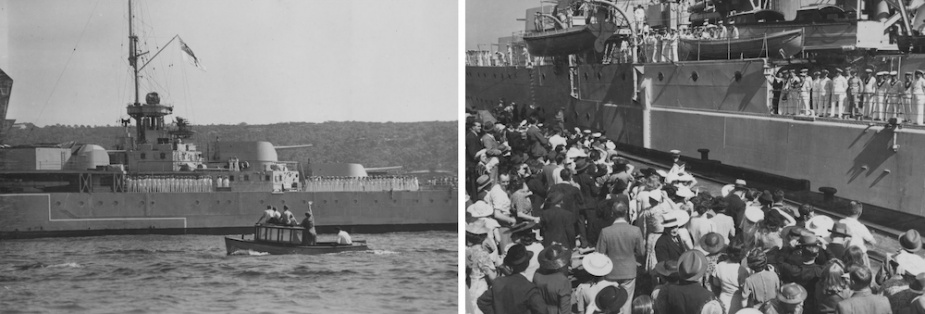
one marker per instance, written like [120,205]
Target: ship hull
[662,107]
[233,245]
[69,214]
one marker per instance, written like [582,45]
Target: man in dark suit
[558,224]
[513,293]
[536,141]
[473,146]
[623,243]
[735,203]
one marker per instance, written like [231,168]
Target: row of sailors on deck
[375,183]
[879,96]
[145,184]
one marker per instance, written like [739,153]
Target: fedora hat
[820,225]
[521,226]
[791,293]
[611,299]
[597,264]
[517,255]
[480,209]
[911,240]
[483,181]
[839,229]
[740,184]
[692,265]
[666,268]
[713,243]
[555,257]
[675,218]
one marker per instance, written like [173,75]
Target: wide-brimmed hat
[692,265]
[911,240]
[480,209]
[791,293]
[483,181]
[713,243]
[555,257]
[684,192]
[675,218]
[597,264]
[839,229]
[820,225]
[517,255]
[666,268]
[611,299]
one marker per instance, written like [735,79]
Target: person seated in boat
[342,237]
[287,218]
[309,235]
[267,215]
[274,220]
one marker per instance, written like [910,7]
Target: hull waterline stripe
[48,198]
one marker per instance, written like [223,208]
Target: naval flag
[189,56]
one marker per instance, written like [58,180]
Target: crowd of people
[558,222]
[170,183]
[361,184]
[849,94]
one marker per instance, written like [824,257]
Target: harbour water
[402,273]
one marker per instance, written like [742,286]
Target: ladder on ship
[573,75]
[533,82]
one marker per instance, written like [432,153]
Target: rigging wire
[68,62]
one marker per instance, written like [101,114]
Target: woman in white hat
[650,222]
[597,265]
[481,213]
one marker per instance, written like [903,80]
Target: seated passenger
[267,214]
[287,218]
[342,237]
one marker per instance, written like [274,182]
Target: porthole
[661,76]
[152,202]
[197,202]
[58,203]
[81,203]
[261,202]
[218,202]
[376,201]
[336,201]
[304,202]
[100,203]
[283,201]
[694,76]
[431,201]
[324,201]
[738,76]
[228,202]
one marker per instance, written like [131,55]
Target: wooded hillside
[415,145]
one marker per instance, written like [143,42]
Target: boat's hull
[572,40]
[776,45]
[233,245]
[53,214]
[662,107]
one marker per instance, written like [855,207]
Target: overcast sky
[267,61]
[486,20]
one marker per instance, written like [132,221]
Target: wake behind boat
[278,240]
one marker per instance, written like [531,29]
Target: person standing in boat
[309,235]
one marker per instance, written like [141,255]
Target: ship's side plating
[41,214]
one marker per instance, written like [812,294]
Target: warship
[155,180]
[718,102]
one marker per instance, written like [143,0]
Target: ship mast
[132,53]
